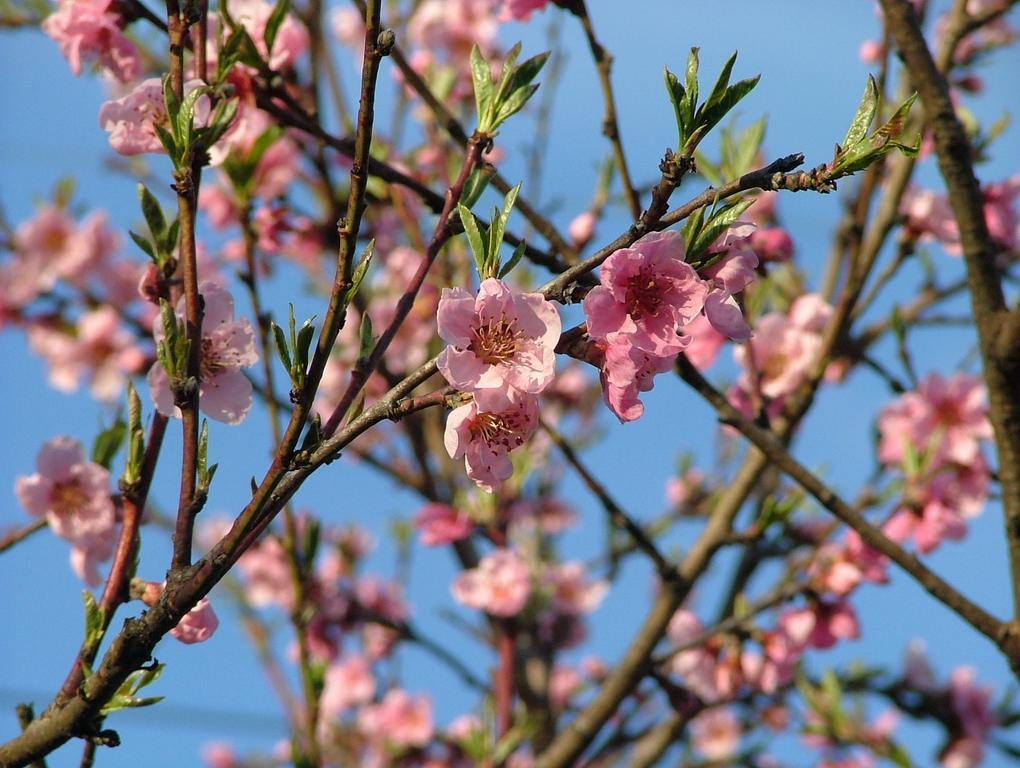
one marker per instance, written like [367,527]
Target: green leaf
[676,93]
[365,338]
[359,272]
[169,243]
[108,442]
[716,112]
[152,212]
[203,449]
[222,118]
[126,696]
[144,244]
[95,620]
[865,114]
[476,184]
[273,24]
[499,221]
[481,77]
[721,84]
[474,237]
[514,103]
[691,78]
[170,100]
[281,344]
[169,143]
[718,223]
[518,253]
[303,343]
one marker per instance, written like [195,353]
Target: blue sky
[811,80]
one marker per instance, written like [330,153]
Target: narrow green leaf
[518,253]
[691,77]
[365,337]
[281,345]
[303,343]
[144,244]
[359,272]
[514,103]
[474,237]
[732,96]
[676,94]
[108,442]
[481,77]
[273,24]
[721,84]
[865,114]
[152,212]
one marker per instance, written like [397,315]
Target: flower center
[774,366]
[644,295]
[213,361]
[494,341]
[68,497]
[497,429]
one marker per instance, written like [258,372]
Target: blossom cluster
[933,436]
[501,350]
[651,305]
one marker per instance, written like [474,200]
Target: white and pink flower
[73,494]
[647,292]
[227,346]
[498,340]
[500,585]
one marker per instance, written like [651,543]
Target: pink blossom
[227,346]
[772,244]
[627,372]
[498,339]
[839,569]
[400,719]
[696,666]
[564,684]
[929,217]
[972,703]
[520,10]
[73,494]
[647,291]
[871,51]
[784,347]
[90,30]
[346,684]
[685,489]
[820,625]
[348,27]
[947,417]
[500,585]
[130,120]
[383,599]
[219,754]
[452,27]
[441,524]
[1002,215]
[549,513]
[484,431]
[103,351]
[729,276]
[198,624]
[704,342]
[581,229]
[267,574]
[716,733]
[291,38]
[571,591]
